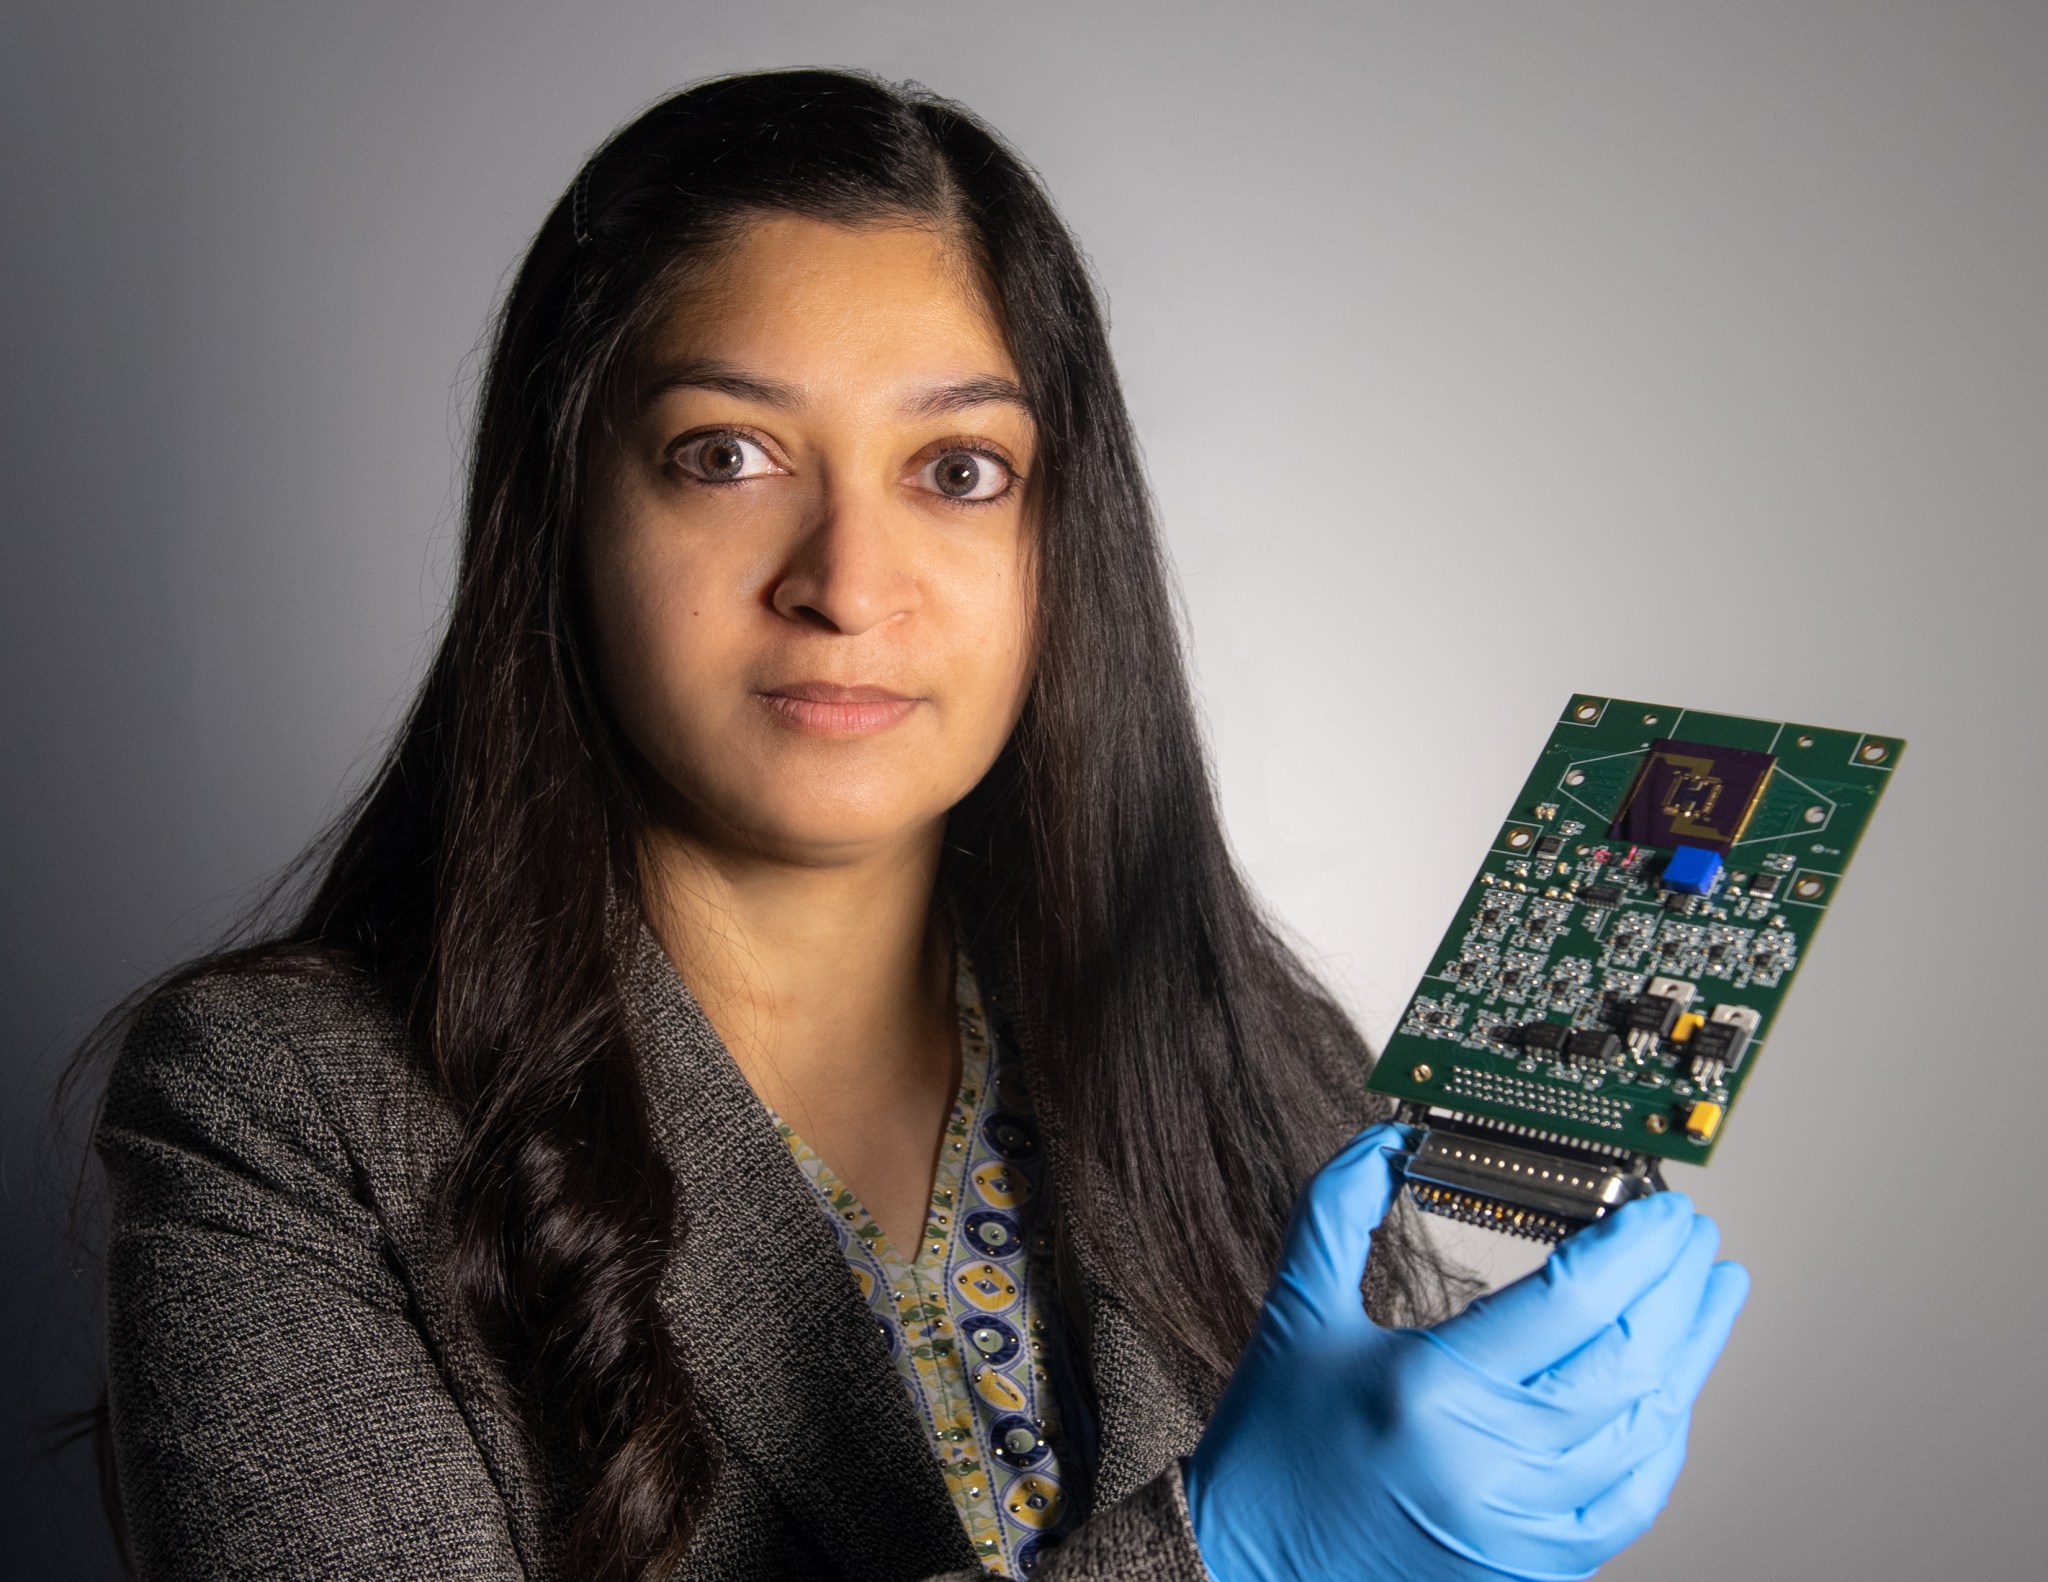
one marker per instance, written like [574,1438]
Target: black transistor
[1593,1046]
[1653,1013]
[1721,1042]
[1600,894]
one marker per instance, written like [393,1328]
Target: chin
[813,833]
[816,812]
[808,800]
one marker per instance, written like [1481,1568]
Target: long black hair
[1194,1071]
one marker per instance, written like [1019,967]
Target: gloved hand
[1535,1435]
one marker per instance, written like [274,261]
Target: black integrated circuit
[1693,794]
[1593,1046]
[1654,1014]
[1723,1042]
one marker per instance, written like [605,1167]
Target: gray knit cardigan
[294,1394]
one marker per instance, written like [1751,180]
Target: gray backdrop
[1482,352]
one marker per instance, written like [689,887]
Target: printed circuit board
[1611,977]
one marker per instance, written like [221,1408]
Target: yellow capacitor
[1703,1119]
[1686,1026]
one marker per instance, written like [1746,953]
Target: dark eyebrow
[965,393]
[722,377]
[738,383]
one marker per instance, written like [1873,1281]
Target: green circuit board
[1612,975]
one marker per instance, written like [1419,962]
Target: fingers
[1669,1375]
[1560,1485]
[1525,1328]
[1622,1513]
[1632,1435]
[1633,1355]
[1563,1533]
[1331,1232]
[1599,1439]
[1727,1290]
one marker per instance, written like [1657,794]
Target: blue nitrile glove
[1535,1435]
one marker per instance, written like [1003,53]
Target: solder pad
[1567,924]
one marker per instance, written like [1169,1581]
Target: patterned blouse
[966,1314]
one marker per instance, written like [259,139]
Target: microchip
[1549,846]
[1594,1046]
[1690,794]
[1764,885]
[1653,1013]
[1600,894]
[1720,1041]
[1545,1037]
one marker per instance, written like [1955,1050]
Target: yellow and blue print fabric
[965,1312]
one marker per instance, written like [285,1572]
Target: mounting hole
[1649,719]
[1656,1123]
[1586,711]
[1872,752]
[1816,815]
[1808,889]
[1422,1073]
[1518,839]
[1804,741]
[1575,778]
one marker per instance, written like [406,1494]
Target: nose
[849,572]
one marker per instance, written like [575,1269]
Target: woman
[779,1076]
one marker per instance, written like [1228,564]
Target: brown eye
[966,475]
[957,476]
[723,458]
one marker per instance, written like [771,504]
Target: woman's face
[808,557]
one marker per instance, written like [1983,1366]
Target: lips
[823,708]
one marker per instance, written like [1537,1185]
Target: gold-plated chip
[1691,794]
